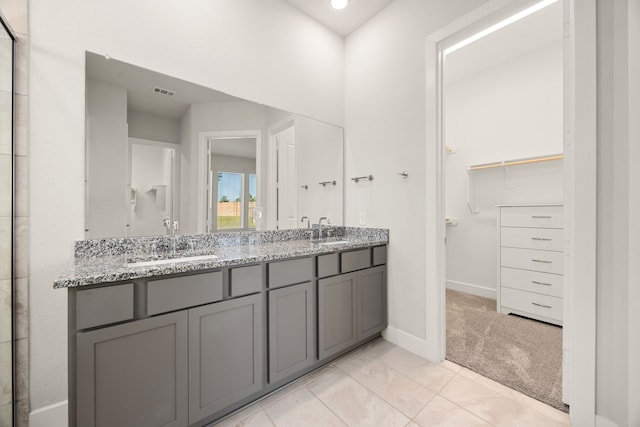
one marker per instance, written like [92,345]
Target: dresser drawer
[530,259]
[531,216]
[182,292]
[532,281]
[541,305]
[548,239]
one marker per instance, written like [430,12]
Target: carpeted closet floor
[523,354]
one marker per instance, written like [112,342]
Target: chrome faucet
[307,218]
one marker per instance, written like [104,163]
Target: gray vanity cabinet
[372,301]
[134,374]
[291,328]
[225,354]
[337,314]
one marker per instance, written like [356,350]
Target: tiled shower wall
[16,13]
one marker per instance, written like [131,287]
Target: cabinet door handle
[541,305]
[543,261]
[541,283]
[541,216]
[542,239]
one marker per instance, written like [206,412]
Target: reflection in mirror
[161,148]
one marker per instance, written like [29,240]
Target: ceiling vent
[163,91]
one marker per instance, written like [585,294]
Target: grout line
[326,406]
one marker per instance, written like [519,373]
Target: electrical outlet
[363,218]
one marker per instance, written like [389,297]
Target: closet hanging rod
[515,162]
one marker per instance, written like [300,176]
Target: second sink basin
[171,260]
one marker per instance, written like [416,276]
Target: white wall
[262,50]
[107,160]
[512,110]
[384,135]
[148,126]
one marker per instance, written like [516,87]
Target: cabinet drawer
[541,305]
[101,306]
[245,280]
[530,259]
[548,239]
[182,292]
[290,272]
[379,255]
[328,265]
[531,216]
[532,281]
[355,260]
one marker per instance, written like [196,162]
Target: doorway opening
[502,103]
[232,184]
[153,184]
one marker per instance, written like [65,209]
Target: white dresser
[530,259]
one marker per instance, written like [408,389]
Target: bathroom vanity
[186,341]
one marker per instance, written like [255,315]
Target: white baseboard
[56,415]
[604,422]
[468,288]
[405,340]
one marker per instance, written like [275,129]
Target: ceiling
[139,84]
[536,31]
[343,21]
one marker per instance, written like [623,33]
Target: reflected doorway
[153,186]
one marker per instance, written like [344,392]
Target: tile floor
[383,385]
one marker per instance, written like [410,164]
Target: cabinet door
[337,308]
[225,354]
[290,330]
[134,374]
[372,304]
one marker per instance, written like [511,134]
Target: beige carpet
[523,354]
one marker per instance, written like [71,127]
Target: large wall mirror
[161,148]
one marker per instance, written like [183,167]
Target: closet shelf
[472,204]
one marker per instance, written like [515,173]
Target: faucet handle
[175,225]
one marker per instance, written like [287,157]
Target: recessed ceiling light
[339,4]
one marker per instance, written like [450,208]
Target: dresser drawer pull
[541,239]
[541,216]
[541,305]
[543,261]
[541,283]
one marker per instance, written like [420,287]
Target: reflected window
[230,200]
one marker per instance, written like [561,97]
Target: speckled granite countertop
[108,260]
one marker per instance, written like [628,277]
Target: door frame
[579,134]
[201,195]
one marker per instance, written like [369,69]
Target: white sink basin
[335,242]
[171,260]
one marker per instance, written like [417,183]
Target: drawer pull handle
[541,283]
[541,239]
[543,261]
[541,216]
[541,305]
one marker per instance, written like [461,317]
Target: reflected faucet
[307,218]
[172,227]
[321,233]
